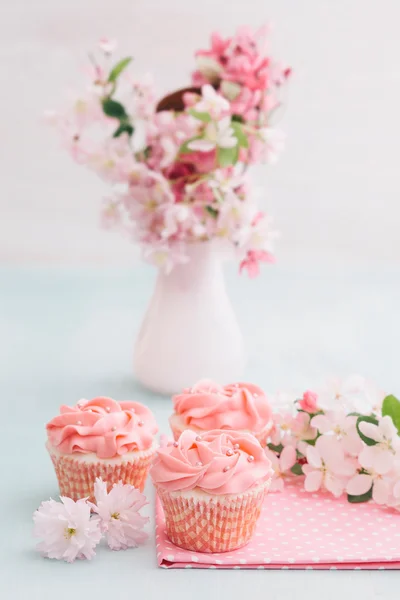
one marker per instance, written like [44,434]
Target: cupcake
[101,438]
[237,406]
[211,488]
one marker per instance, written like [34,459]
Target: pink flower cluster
[345,438]
[179,175]
[68,531]
[240,68]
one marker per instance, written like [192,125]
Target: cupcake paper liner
[76,478]
[215,525]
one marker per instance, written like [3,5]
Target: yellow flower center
[69,532]
[115,515]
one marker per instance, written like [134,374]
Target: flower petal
[359,485]
[380,493]
[334,484]
[313,481]
[371,431]
[201,145]
[313,457]
[322,423]
[287,458]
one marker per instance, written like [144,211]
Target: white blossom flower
[118,514]
[66,529]
[381,456]
[225,181]
[174,216]
[342,426]
[281,466]
[211,102]
[274,141]
[353,394]
[327,466]
[216,134]
[165,255]
[108,46]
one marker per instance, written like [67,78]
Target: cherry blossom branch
[344,439]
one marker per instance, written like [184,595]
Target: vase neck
[203,268]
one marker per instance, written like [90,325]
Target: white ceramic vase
[190,331]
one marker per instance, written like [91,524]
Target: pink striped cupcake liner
[212,525]
[76,478]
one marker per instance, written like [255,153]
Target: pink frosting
[218,462]
[236,406]
[104,426]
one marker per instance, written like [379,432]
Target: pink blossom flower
[176,217]
[165,255]
[246,103]
[309,401]
[282,425]
[143,102]
[343,427]
[281,466]
[118,514]
[394,497]
[382,456]
[212,103]
[203,162]
[327,467]
[302,429]
[361,483]
[66,530]
[108,46]
[274,143]
[353,394]
[252,262]
[111,214]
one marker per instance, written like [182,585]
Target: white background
[335,194]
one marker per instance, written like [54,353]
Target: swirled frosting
[218,462]
[238,406]
[103,426]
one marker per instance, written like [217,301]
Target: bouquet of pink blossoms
[343,439]
[177,167]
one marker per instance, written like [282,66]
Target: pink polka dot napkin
[298,530]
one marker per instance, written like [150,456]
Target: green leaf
[277,449]
[311,442]
[212,211]
[358,499]
[205,117]
[311,415]
[365,439]
[228,156]
[237,118]
[240,134]
[391,408]
[124,128]
[112,108]
[297,469]
[119,67]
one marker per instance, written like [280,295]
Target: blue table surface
[69,333]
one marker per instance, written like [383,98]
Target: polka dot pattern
[297,530]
